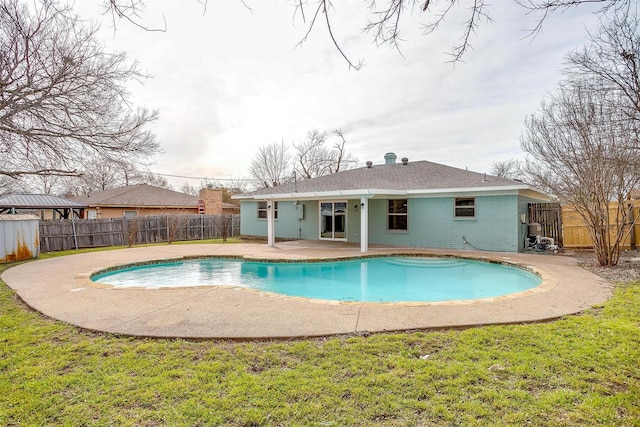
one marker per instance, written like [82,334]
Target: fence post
[75,235]
[233,225]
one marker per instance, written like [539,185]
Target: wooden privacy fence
[63,234]
[548,216]
[576,233]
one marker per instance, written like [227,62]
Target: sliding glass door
[333,220]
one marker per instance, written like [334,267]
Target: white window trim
[455,209]
[346,220]
[275,212]
[397,230]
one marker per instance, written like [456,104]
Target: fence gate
[548,215]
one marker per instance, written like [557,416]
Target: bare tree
[133,228]
[223,223]
[386,18]
[131,11]
[134,176]
[11,185]
[313,158]
[235,186]
[63,99]
[99,176]
[271,165]
[386,25]
[587,154]
[511,169]
[47,183]
[175,223]
[612,60]
[228,186]
[189,189]
[585,142]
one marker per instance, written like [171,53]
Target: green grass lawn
[579,371]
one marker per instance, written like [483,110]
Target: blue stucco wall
[431,223]
[287,224]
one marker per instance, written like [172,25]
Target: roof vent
[390,158]
[369,164]
[405,161]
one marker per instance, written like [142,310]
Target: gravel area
[627,270]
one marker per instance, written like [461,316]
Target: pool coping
[66,293]
[87,278]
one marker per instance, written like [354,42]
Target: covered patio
[45,206]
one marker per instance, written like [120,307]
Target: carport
[38,204]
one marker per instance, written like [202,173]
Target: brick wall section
[212,199]
[120,212]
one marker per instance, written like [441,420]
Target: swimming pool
[382,279]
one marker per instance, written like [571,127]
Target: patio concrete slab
[60,288]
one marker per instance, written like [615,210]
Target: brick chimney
[212,199]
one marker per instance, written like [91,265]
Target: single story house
[144,199]
[419,204]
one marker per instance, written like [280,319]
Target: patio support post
[364,224]
[271,223]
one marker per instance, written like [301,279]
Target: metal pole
[75,235]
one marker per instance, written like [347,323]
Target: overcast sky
[231,79]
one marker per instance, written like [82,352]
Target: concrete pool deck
[60,288]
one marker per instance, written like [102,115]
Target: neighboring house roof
[18,217]
[38,201]
[141,195]
[226,205]
[413,178]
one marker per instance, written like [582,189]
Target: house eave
[380,193]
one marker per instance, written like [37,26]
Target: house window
[465,207]
[262,209]
[397,215]
[333,220]
[130,214]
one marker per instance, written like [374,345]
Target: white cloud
[233,79]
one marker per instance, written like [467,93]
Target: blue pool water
[386,279]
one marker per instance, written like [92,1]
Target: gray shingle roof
[412,177]
[38,201]
[141,195]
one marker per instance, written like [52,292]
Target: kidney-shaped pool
[382,279]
